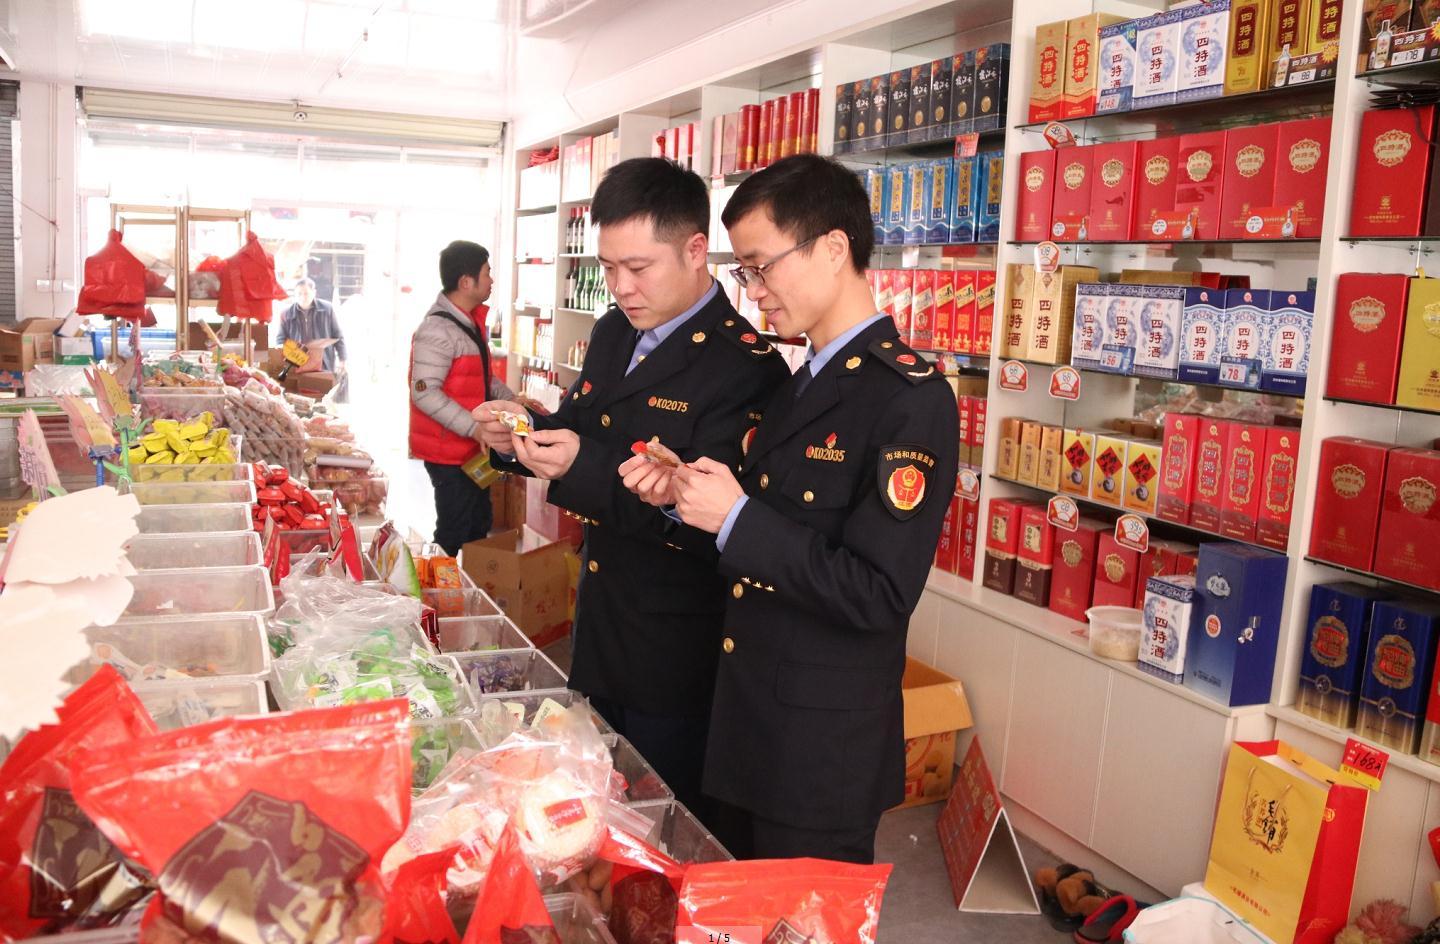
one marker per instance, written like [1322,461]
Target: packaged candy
[415,901]
[644,891]
[272,827]
[656,452]
[789,900]
[509,908]
[350,668]
[517,423]
[57,872]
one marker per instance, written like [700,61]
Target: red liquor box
[749,137]
[1112,191]
[1154,562]
[1034,573]
[1158,166]
[764,143]
[922,311]
[944,326]
[1117,569]
[1002,543]
[903,283]
[947,551]
[796,120]
[1201,162]
[1302,161]
[1072,581]
[1037,195]
[1244,456]
[779,123]
[1070,208]
[1277,487]
[1391,171]
[969,537]
[1410,518]
[1249,178]
[812,121]
[979,417]
[1177,466]
[885,292]
[962,331]
[1209,492]
[984,311]
[1349,489]
[1369,326]
[965,407]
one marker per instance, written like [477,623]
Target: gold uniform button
[886,345]
[594,567]
[764,480]
[737,591]
[728,645]
[605,420]
[698,336]
[575,395]
[729,323]
[809,496]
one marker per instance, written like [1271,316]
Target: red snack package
[272,827]
[57,872]
[277,476]
[415,900]
[788,899]
[644,890]
[509,907]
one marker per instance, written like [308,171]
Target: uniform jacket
[650,604]
[317,324]
[449,377]
[848,487]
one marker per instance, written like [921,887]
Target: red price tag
[968,485]
[1364,763]
[743,935]
[1014,376]
[1063,513]
[1065,383]
[967,145]
[1058,135]
[1047,257]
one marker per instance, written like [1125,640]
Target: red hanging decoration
[114,282]
[248,288]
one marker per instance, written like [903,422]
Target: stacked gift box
[1385,346]
[939,201]
[946,310]
[1397,33]
[757,136]
[956,549]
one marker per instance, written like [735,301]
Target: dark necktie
[802,379]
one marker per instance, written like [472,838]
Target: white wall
[48,225]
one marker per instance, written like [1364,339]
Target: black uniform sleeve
[873,579]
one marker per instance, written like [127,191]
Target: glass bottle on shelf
[1282,67]
[570,285]
[1380,55]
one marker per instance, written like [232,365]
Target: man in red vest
[449,376]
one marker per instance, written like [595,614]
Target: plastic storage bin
[182,704]
[480,634]
[182,403]
[239,492]
[512,670]
[462,602]
[433,743]
[642,782]
[180,519]
[526,704]
[576,920]
[184,551]
[678,834]
[292,694]
[198,647]
[1115,632]
[201,472]
[221,590]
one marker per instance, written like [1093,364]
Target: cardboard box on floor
[528,576]
[935,709]
[28,343]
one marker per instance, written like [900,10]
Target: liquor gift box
[1286,344]
[919,123]
[1242,343]
[1082,60]
[897,122]
[984,310]
[1142,471]
[897,204]
[1052,462]
[1037,193]
[1201,160]
[1117,572]
[1277,486]
[1245,65]
[992,85]
[1398,671]
[1071,204]
[942,92]
[1027,470]
[969,536]
[1408,548]
[918,176]
[1391,172]
[1350,487]
[1419,380]
[1244,454]
[1108,484]
[1014,337]
[1053,313]
[1249,178]
[922,311]
[1369,324]
[962,336]
[1204,32]
[903,281]
[940,207]
[1035,571]
[1169,607]
[1332,664]
[875,180]
[1087,334]
[1288,35]
[1302,163]
[1207,503]
[1157,59]
[879,110]
[1112,192]
[1158,160]
[1077,448]
[962,90]
[844,124]
[862,129]
[944,325]
[1177,466]
[1117,67]
[1072,582]
[1230,655]
[966,181]
[992,184]
[1157,344]
[1047,94]
[1122,329]
[947,549]
[1002,544]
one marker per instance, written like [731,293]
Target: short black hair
[674,199]
[459,259]
[807,196]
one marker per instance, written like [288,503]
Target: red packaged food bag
[787,899]
[57,872]
[415,900]
[114,282]
[247,283]
[644,890]
[260,830]
[509,909]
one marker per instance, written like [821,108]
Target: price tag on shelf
[717,935]
[1063,513]
[1131,531]
[1047,257]
[967,485]
[1014,377]
[1058,135]
[967,145]
[1240,372]
[1365,763]
[910,257]
[1065,383]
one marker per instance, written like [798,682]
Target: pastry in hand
[656,452]
[517,423]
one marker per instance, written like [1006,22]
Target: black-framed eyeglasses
[743,274]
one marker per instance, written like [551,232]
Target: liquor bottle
[1380,55]
[1287,229]
[570,286]
[1282,67]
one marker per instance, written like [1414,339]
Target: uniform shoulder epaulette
[904,361]
[743,334]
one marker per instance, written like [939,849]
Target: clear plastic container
[212,472]
[678,834]
[576,920]
[526,704]
[201,549]
[433,743]
[182,704]
[1115,632]
[182,403]
[481,634]
[462,602]
[184,519]
[194,493]
[198,647]
[217,590]
[367,569]
[292,694]
[495,674]
[643,782]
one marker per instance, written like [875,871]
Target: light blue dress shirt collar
[652,338]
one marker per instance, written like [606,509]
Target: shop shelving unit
[1097,759]
[160,226]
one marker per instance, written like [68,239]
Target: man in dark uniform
[826,537]
[674,360]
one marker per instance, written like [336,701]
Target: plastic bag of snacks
[788,899]
[325,606]
[271,827]
[393,562]
[643,895]
[509,908]
[57,872]
[351,668]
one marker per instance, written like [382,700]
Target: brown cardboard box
[316,383]
[935,709]
[30,342]
[529,578]
[507,503]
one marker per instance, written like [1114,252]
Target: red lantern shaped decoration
[248,287]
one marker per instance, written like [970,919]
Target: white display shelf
[1063,631]
[1409,762]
